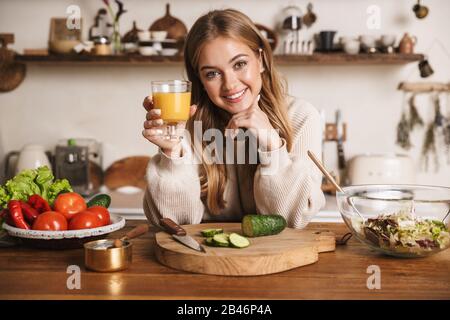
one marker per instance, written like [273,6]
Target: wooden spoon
[324,171]
[330,177]
[136,232]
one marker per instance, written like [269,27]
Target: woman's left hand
[255,120]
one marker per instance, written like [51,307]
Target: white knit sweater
[285,183]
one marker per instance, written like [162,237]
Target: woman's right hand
[154,129]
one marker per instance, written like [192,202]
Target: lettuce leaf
[44,179]
[56,188]
[4,197]
[33,181]
[22,185]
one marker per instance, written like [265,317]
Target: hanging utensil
[420,11]
[12,73]
[175,28]
[309,18]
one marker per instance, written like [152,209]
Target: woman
[235,86]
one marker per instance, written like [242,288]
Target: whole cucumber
[102,200]
[257,225]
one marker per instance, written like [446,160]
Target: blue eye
[212,74]
[240,64]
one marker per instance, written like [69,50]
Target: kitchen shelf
[315,59]
[349,59]
[53,59]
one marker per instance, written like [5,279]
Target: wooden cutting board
[126,172]
[289,249]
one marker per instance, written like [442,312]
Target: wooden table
[37,274]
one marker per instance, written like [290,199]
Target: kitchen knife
[179,234]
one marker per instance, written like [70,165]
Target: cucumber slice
[238,241]
[211,232]
[256,225]
[221,240]
[209,242]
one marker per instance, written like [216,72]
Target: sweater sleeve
[173,190]
[290,184]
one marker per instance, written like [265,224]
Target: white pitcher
[31,156]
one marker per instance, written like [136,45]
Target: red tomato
[69,204]
[102,213]
[84,220]
[50,220]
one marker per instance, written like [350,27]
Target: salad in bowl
[398,220]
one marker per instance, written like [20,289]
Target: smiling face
[230,73]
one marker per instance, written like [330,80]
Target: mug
[351,47]
[326,40]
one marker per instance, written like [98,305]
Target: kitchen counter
[130,207]
[39,274]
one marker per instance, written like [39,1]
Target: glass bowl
[399,220]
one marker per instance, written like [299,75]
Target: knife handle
[172,227]
[341,157]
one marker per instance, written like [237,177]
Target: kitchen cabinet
[342,274]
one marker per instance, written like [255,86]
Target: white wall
[105,102]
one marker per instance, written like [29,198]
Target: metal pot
[108,256]
[101,256]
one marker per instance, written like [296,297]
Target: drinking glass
[173,98]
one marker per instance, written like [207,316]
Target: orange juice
[174,105]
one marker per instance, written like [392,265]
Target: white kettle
[31,156]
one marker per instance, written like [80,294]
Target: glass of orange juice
[173,98]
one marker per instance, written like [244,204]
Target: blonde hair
[231,24]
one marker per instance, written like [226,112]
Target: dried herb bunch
[429,148]
[446,131]
[447,139]
[414,118]
[437,126]
[438,117]
[403,129]
[437,132]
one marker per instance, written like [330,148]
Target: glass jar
[102,46]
